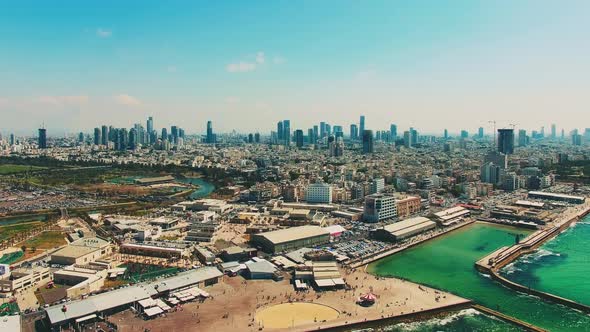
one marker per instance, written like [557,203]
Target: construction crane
[494,122]
[513,125]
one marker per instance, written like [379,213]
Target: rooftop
[294,233]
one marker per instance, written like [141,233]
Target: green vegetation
[11,230]
[12,169]
[11,258]
[7,309]
[46,240]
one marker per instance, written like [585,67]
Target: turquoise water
[561,266]
[204,190]
[447,263]
[464,320]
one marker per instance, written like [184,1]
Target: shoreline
[492,263]
[379,255]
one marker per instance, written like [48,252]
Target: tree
[23,248]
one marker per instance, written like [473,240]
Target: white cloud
[103,33]
[62,100]
[172,69]
[240,67]
[127,100]
[232,100]
[251,64]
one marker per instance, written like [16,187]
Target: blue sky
[74,65]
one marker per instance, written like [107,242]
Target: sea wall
[535,241]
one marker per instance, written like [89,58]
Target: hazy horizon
[431,65]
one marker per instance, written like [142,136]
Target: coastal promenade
[378,255]
[492,263]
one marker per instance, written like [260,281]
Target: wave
[434,322]
[511,268]
[537,255]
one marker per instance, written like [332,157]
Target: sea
[447,263]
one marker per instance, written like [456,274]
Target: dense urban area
[149,230]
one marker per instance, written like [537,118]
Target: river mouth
[447,263]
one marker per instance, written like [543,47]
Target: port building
[291,238]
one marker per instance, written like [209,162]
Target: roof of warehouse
[126,295]
[294,233]
[187,278]
[398,226]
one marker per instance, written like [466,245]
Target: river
[447,263]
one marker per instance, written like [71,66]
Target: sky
[75,65]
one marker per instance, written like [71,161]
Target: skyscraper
[105,135]
[464,134]
[368,145]
[210,139]
[322,129]
[12,141]
[414,136]
[174,133]
[407,139]
[310,136]
[315,133]
[354,132]
[553,131]
[506,141]
[446,134]
[362,125]
[393,132]
[150,128]
[480,133]
[287,132]
[164,134]
[522,138]
[97,136]
[42,138]
[280,130]
[299,138]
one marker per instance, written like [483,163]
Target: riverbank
[492,263]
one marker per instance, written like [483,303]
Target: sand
[235,303]
[288,315]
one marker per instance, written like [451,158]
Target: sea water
[447,263]
[561,266]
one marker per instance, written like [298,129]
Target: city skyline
[413,65]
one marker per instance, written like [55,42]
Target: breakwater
[492,263]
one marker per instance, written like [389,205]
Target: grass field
[11,258]
[46,240]
[10,230]
[12,169]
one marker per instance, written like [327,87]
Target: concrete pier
[492,263]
